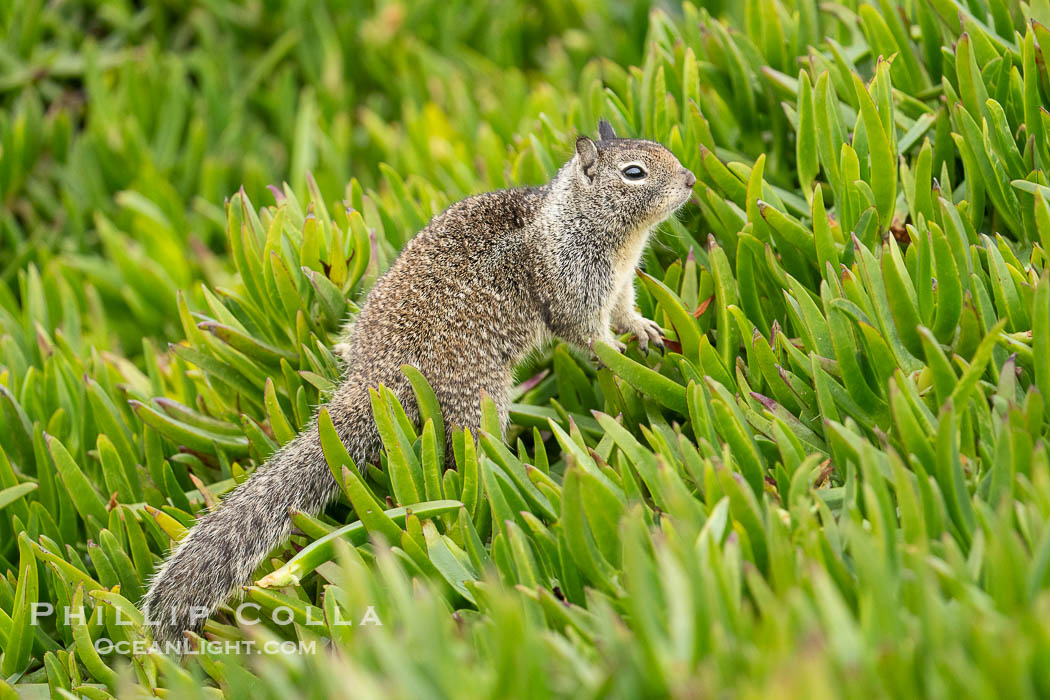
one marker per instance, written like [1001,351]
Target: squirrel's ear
[605,130]
[586,157]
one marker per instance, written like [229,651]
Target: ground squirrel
[487,280]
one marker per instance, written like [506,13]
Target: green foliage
[836,478]
[123,127]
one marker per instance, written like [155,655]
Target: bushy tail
[219,554]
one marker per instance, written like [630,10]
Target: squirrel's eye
[633,172]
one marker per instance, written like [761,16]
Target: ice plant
[835,479]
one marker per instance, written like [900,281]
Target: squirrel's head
[629,184]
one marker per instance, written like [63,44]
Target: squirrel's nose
[690,179]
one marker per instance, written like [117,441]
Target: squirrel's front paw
[615,343]
[647,331]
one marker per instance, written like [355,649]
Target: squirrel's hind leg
[461,405]
[343,343]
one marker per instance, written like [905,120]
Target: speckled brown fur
[486,281]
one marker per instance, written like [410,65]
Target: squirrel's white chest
[625,263]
